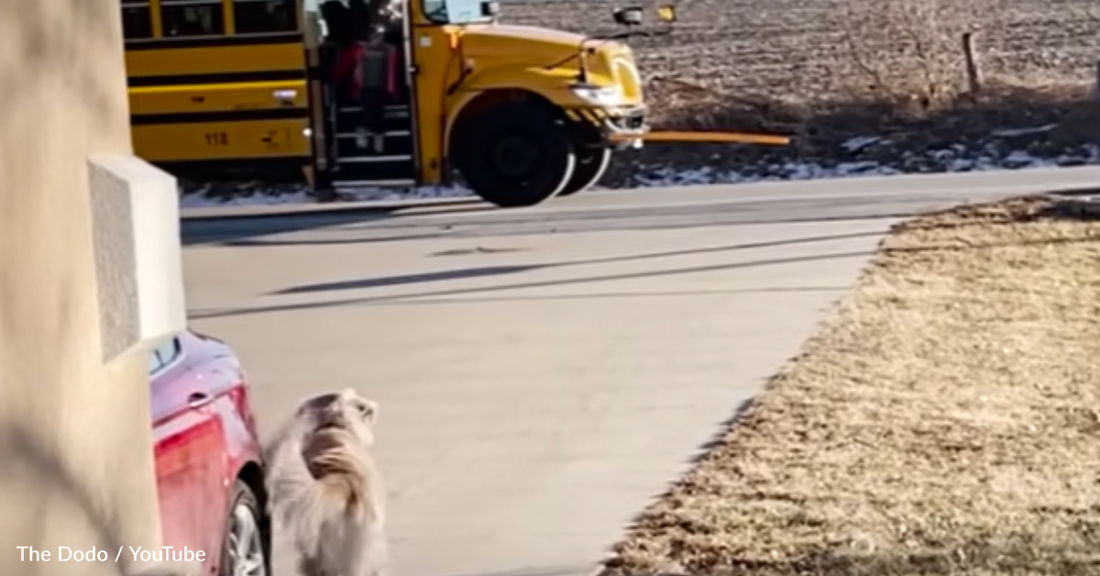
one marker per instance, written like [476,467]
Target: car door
[188,454]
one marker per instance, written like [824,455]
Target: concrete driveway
[545,373]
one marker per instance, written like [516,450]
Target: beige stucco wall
[75,458]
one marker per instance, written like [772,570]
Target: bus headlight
[599,95]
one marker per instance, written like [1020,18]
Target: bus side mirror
[490,9]
[667,13]
[628,16]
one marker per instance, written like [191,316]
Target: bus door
[357,158]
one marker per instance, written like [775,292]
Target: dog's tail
[305,494]
[297,502]
[342,480]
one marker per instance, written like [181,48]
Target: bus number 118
[216,139]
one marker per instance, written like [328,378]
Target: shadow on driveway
[244,230]
[487,271]
[523,285]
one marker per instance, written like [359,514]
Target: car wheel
[515,155]
[591,165]
[243,549]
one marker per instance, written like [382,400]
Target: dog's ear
[369,410]
[315,403]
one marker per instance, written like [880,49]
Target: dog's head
[346,410]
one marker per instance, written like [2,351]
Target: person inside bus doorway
[368,65]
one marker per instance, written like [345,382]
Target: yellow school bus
[238,88]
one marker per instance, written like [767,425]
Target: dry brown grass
[944,422]
[901,58]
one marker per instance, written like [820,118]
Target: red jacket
[349,67]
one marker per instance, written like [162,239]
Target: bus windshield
[453,11]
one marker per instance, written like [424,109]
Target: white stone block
[139,267]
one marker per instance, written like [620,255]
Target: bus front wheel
[590,167]
[516,155]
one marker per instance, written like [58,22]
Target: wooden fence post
[1098,79]
[973,67]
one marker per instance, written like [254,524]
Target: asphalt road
[773,202]
[544,373]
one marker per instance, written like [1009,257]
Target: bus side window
[263,16]
[192,18]
[137,21]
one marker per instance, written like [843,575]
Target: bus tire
[591,165]
[515,155]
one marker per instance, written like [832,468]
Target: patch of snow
[1015,132]
[1021,159]
[411,193]
[945,154]
[199,200]
[860,142]
[667,176]
[1093,154]
[952,158]
[962,165]
[686,177]
[857,168]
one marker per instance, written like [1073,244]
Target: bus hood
[531,46]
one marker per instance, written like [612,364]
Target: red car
[208,461]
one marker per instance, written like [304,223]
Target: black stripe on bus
[215,41]
[212,117]
[219,78]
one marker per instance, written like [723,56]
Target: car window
[164,355]
[154,362]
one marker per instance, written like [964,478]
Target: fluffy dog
[325,489]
